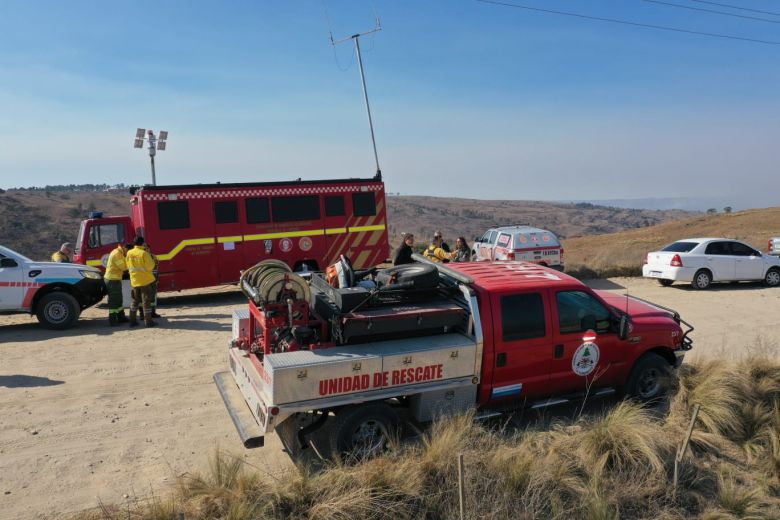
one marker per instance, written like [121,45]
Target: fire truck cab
[206,234]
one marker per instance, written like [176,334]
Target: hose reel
[272,281]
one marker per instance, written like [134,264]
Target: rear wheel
[772,278]
[649,378]
[363,431]
[702,280]
[665,283]
[58,310]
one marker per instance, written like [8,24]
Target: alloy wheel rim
[56,312]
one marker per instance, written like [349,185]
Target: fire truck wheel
[649,379]
[421,276]
[364,430]
[57,310]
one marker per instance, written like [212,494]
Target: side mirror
[8,262]
[623,327]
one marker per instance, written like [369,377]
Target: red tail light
[771,246]
[561,256]
[646,255]
[676,261]
[510,255]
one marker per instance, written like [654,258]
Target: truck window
[226,212]
[579,311]
[492,237]
[174,214]
[334,206]
[257,211]
[106,234]
[503,240]
[290,209]
[522,316]
[364,204]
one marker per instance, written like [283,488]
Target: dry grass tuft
[613,465]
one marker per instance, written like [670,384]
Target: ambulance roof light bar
[155,143]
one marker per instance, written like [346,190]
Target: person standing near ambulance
[116,267]
[141,267]
[435,253]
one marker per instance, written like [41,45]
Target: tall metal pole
[152,152]
[368,108]
[154,177]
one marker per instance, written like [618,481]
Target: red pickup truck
[422,341]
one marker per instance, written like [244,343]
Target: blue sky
[469,99]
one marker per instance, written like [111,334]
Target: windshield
[5,252]
[80,237]
[680,247]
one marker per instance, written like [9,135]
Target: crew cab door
[586,348]
[485,246]
[98,237]
[521,334]
[11,278]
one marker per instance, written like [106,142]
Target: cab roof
[298,182]
[521,229]
[512,275]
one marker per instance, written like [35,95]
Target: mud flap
[248,430]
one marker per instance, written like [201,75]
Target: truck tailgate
[315,374]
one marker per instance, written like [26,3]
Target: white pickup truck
[55,292]
[773,247]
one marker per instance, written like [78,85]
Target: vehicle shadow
[23,381]
[190,324]
[723,286]
[34,331]
[602,284]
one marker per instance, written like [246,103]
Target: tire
[665,283]
[58,310]
[649,379]
[772,278]
[363,431]
[421,276]
[702,279]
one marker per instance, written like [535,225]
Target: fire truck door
[230,246]
[587,350]
[522,331]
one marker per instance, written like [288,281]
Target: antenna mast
[356,39]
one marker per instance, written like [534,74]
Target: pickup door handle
[501,360]
[558,351]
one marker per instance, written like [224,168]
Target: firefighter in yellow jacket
[435,253]
[116,268]
[141,267]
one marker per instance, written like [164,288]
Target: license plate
[656,274]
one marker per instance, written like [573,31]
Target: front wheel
[772,278]
[363,431]
[58,311]
[649,378]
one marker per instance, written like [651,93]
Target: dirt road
[99,414]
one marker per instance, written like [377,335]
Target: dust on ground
[107,414]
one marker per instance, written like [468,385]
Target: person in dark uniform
[403,255]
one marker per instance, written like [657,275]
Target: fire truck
[352,364]
[206,234]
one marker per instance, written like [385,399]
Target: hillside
[35,223]
[471,217]
[622,253]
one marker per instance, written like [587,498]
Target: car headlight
[91,274]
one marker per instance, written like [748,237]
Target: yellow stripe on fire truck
[263,236]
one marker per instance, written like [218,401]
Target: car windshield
[5,252]
[680,247]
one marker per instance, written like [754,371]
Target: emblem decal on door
[286,245]
[586,357]
[305,243]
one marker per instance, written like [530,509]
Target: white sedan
[702,261]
